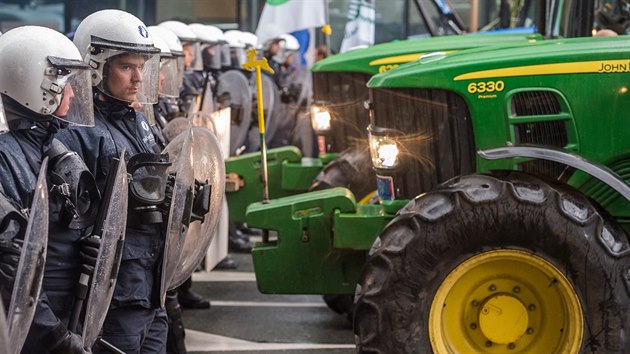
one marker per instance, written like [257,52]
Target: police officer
[193,79]
[44,84]
[125,65]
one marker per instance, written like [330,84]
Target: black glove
[89,253]
[72,343]
[10,251]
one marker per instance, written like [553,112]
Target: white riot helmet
[114,39]
[43,71]
[175,45]
[189,40]
[212,41]
[167,83]
[289,46]
[237,45]
[250,39]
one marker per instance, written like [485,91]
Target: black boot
[189,299]
[175,343]
[227,263]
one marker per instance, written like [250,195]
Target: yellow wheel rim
[506,301]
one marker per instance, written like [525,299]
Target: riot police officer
[44,86]
[125,65]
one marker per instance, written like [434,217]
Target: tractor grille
[548,133]
[535,103]
[438,143]
[344,93]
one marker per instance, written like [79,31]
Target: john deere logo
[143,31]
[276,2]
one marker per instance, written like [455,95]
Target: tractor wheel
[352,169]
[504,264]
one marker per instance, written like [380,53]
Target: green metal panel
[248,167]
[358,230]
[303,258]
[299,177]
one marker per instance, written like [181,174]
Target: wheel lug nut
[511,346]
[516,289]
[475,303]
[473,326]
[530,330]
[532,307]
[488,343]
[492,287]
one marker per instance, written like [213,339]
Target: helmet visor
[75,102]
[238,57]
[4,127]
[132,77]
[168,84]
[225,55]
[181,61]
[147,110]
[193,50]
[211,54]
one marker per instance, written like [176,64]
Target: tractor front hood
[548,57]
[385,56]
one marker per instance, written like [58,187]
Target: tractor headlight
[320,118]
[384,147]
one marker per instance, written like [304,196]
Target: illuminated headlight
[383,149]
[320,118]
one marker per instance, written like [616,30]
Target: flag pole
[327,29]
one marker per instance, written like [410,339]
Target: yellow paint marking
[579,67]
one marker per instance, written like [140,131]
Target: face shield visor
[147,111]
[181,68]
[4,127]
[211,54]
[131,77]
[192,53]
[238,57]
[71,84]
[168,83]
[225,55]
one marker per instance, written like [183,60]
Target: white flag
[360,26]
[286,16]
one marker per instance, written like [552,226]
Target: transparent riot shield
[234,91]
[181,205]
[30,270]
[271,100]
[203,119]
[207,97]
[110,226]
[208,167]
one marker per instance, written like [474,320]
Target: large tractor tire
[352,169]
[503,264]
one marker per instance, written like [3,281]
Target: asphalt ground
[243,320]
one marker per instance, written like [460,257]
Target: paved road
[241,319]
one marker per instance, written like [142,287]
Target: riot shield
[4,331]
[271,99]
[110,226]
[221,120]
[30,270]
[234,91]
[207,97]
[203,119]
[180,152]
[208,166]
[175,127]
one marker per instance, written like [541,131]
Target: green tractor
[339,85]
[505,205]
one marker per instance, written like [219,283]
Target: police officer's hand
[89,253]
[72,343]
[10,250]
